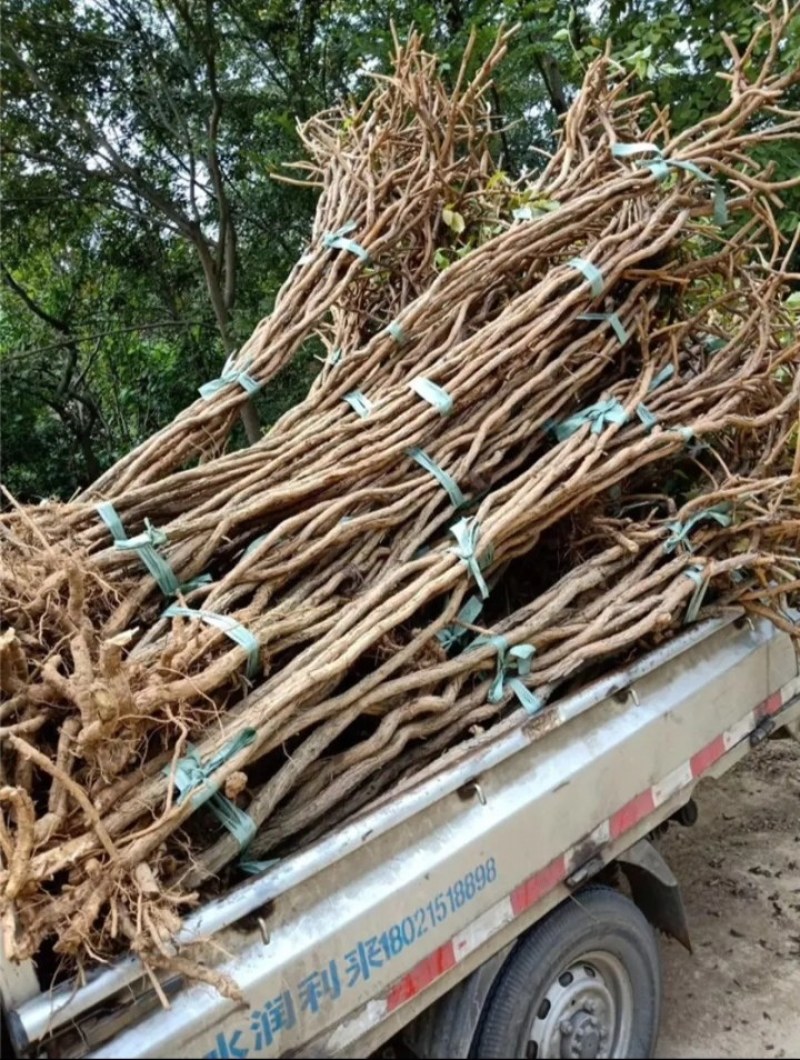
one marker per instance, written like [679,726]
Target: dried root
[620,437]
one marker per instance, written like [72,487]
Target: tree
[143,237]
[137,122]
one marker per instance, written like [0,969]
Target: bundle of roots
[557,420]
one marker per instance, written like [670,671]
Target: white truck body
[336,949]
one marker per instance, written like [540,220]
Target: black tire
[606,928]
[6,1051]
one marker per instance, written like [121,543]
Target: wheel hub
[582,1036]
[585,1014]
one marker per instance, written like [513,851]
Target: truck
[505,904]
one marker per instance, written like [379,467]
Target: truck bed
[336,948]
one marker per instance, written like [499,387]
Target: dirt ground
[738,995]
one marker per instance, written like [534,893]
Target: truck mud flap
[655,890]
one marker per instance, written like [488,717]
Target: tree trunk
[248,414]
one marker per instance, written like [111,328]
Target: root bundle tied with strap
[573,440]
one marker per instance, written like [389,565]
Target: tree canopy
[143,235]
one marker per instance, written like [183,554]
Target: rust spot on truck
[543,722]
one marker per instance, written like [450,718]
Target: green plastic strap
[646,416]
[457,498]
[225,753]
[452,634]
[466,532]
[642,411]
[255,868]
[359,403]
[591,272]
[613,320]
[108,513]
[679,532]
[338,241]
[146,544]
[627,150]
[240,824]
[721,215]
[254,545]
[697,575]
[714,344]
[517,658]
[228,377]
[661,167]
[599,416]
[233,629]
[529,700]
[693,445]
[192,776]
[661,377]
[433,393]
[397,333]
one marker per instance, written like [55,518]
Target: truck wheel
[583,982]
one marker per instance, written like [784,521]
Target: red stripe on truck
[708,755]
[771,705]
[422,975]
[538,885]
[535,887]
[631,813]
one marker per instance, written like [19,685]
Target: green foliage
[142,236]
